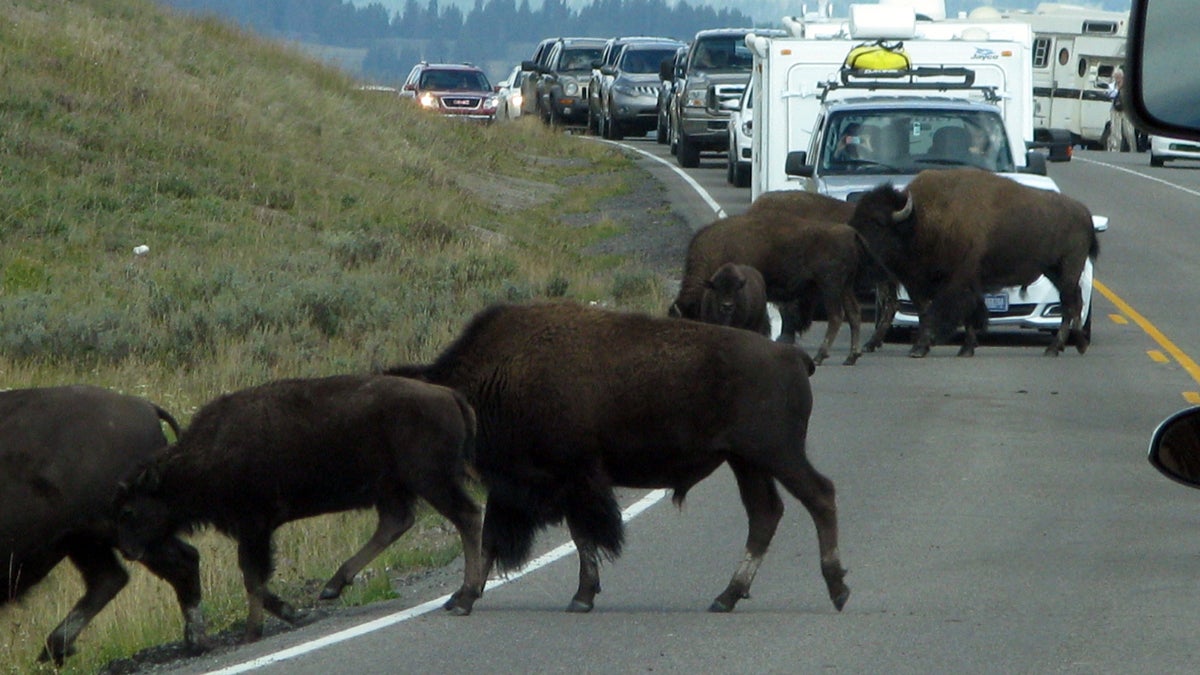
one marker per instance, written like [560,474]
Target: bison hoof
[460,604]
[57,656]
[851,360]
[579,607]
[840,597]
[330,593]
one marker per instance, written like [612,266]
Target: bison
[736,296]
[575,400]
[800,244]
[63,451]
[255,459]
[953,235]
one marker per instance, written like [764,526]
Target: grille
[461,102]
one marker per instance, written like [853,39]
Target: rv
[1075,51]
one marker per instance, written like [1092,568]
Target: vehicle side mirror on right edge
[1161,72]
[1035,163]
[666,70]
[1175,447]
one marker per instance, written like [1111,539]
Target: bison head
[143,518]
[885,219]
[721,294]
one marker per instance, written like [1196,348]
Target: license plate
[996,302]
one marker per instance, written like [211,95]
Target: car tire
[614,130]
[729,170]
[593,123]
[689,153]
[741,175]
[1155,160]
[660,134]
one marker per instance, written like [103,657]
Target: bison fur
[953,235]
[255,459]
[575,400]
[63,452]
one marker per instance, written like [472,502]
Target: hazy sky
[759,9]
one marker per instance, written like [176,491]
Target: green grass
[296,227]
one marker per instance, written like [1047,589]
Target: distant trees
[488,32]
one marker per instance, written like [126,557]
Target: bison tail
[166,417]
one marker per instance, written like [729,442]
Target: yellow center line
[1155,334]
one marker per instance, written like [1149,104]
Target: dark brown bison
[255,459]
[575,400]
[802,258]
[736,296]
[953,235]
[63,451]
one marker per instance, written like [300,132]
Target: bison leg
[854,318]
[179,564]
[764,509]
[103,578]
[394,520]
[1072,310]
[816,493]
[589,572]
[453,502]
[795,316]
[254,559]
[885,313]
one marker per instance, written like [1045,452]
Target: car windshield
[727,54]
[910,141]
[644,61]
[456,80]
[579,58]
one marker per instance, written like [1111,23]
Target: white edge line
[627,515]
[712,203]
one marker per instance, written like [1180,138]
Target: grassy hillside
[296,227]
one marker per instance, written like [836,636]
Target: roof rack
[909,79]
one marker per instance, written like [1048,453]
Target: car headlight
[696,98]
[517,100]
[571,88]
[490,103]
[428,100]
[748,128]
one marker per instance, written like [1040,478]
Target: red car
[458,90]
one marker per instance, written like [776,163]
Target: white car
[1163,148]
[741,128]
[508,94]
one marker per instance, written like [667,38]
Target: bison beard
[572,401]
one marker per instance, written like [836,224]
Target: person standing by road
[1121,134]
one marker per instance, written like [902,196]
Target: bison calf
[736,296]
[573,401]
[255,459]
[63,451]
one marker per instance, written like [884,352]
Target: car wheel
[729,170]
[660,133]
[1155,160]
[741,175]
[614,130]
[593,123]
[689,153]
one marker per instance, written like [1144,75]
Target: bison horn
[906,211]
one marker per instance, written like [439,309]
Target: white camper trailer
[1075,51]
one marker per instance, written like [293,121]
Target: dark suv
[562,81]
[717,70]
[629,101]
[458,90]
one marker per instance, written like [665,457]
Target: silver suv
[598,84]
[717,70]
[563,79]
[629,102]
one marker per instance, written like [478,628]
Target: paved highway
[997,513]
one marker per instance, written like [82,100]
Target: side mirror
[796,164]
[729,105]
[608,70]
[528,65]
[1162,78]
[1175,447]
[666,70]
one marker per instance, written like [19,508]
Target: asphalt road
[997,513]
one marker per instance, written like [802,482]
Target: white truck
[964,100]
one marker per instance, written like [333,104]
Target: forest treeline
[493,30]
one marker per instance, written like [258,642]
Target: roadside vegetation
[296,226]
